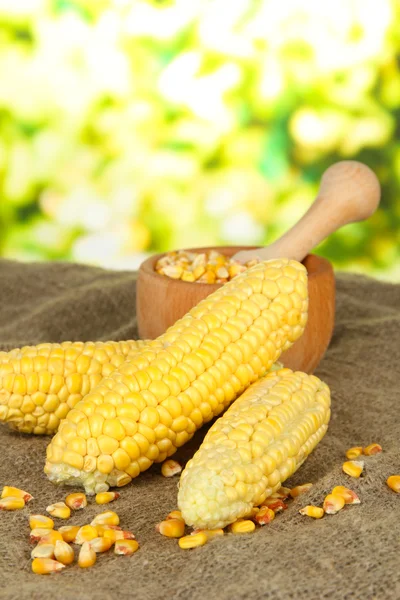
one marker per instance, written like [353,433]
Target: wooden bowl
[160,301]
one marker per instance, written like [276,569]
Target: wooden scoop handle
[349,192]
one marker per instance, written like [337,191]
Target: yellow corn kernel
[372,449]
[86,533]
[312,511]
[12,503]
[76,501]
[102,528]
[49,538]
[40,521]
[352,453]
[275,504]
[59,510]
[174,528]
[106,497]
[118,534]
[354,468]
[101,544]
[264,516]
[210,533]
[282,494]
[106,518]
[126,547]
[394,483]
[188,276]
[174,272]
[193,541]
[16,493]
[242,526]
[45,566]
[170,467]
[349,496]
[69,532]
[43,551]
[174,514]
[300,489]
[87,556]
[333,503]
[64,553]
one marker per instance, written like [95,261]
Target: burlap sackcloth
[352,555]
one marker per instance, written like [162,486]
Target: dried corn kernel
[101,529]
[12,503]
[45,566]
[210,533]
[59,510]
[242,526]
[87,556]
[106,518]
[69,532]
[40,521]
[193,541]
[174,528]
[349,496]
[43,551]
[264,516]
[282,494]
[106,497]
[15,493]
[115,534]
[50,538]
[126,547]
[333,503]
[372,449]
[174,514]
[394,483]
[354,468]
[275,504]
[38,533]
[85,534]
[64,553]
[354,452]
[76,501]
[312,511]
[101,544]
[300,489]
[169,468]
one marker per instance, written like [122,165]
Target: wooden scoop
[349,192]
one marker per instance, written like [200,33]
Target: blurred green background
[129,127]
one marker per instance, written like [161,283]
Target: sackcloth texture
[352,555]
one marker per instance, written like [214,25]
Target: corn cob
[155,402]
[261,440]
[40,384]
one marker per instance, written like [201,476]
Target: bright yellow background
[129,127]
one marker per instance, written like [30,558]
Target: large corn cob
[40,384]
[248,453]
[155,402]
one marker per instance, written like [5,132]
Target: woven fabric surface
[351,555]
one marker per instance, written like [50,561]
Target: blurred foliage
[130,127]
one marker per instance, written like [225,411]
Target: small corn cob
[46,566]
[333,503]
[242,526]
[86,533]
[155,402]
[40,521]
[174,528]
[59,510]
[352,453]
[300,489]
[76,501]
[106,497]
[43,551]
[16,493]
[260,441]
[264,516]
[394,483]
[372,449]
[170,467]
[39,385]
[126,547]
[64,553]
[354,468]
[106,518]
[69,532]
[349,496]
[87,556]
[315,512]
[12,503]
[193,541]
[101,544]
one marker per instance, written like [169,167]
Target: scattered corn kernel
[87,556]
[45,566]
[354,452]
[59,510]
[193,541]
[106,518]
[312,511]
[242,526]
[15,493]
[354,468]
[372,449]
[64,553]
[12,503]
[85,534]
[169,468]
[275,504]
[38,533]
[106,497]
[394,483]
[174,528]
[69,532]
[50,538]
[126,547]
[76,501]
[333,503]
[174,514]
[118,534]
[40,521]
[282,494]
[264,516]
[43,551]
[101,529]
[300,489]
[210,533]
[349,496]
[101,544]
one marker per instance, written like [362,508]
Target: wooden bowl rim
[315,265]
